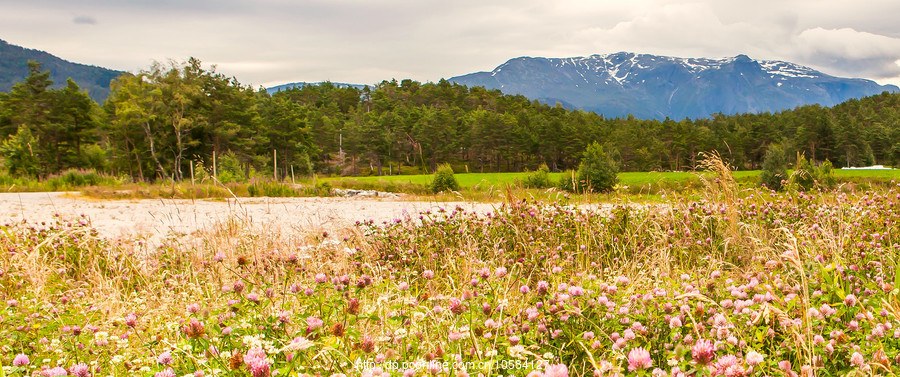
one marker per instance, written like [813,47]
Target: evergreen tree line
[159,122]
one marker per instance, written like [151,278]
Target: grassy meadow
[483,180]
[640,185]
[473,186]
[476,180]
[735,282]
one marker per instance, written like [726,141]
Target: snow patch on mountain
[619,66]
[652,86]
[788,70]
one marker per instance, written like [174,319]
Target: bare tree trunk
[179,140]
[176,169]
[137,157]
[160,169]
[178,156]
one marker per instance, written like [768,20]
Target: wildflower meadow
[745,282]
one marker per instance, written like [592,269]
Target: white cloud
[365,41]
[688,29]
[847,51]
[847,43]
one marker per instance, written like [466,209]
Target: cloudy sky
[271,42]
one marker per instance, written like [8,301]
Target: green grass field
[857,173]
[643,185]
[477,186]
[482,180]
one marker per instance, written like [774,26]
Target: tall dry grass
[741,234]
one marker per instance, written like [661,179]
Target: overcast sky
[272,42]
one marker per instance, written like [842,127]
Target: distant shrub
[272,189]
[895,155]
[79,178]
[774,168]
[321,189]
[444,180]
[8,180]
[97,157]
[598,171]
[19,155]
[804,176]
[370,172]
[304,165]
[229,170]
[807,176]
[825,175]
[538,179]
[383,185]
[460,168]
[201,172]
[409,170]
[567,182]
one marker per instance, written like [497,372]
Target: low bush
[272,189]
[80,178]
[444,180]
[774,168]
[597,171]
[807,176]
[539,179]
[568,181]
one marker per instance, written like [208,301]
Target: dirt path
[155,219]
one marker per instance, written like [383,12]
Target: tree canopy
[159,121]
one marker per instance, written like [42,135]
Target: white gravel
[155,219]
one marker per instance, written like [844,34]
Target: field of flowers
[740,283]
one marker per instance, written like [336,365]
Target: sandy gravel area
[158,218]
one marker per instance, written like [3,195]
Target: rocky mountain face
[651,86]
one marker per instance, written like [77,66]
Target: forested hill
[408,122]
[157,122]
[14,68]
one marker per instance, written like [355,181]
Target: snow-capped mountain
[651,86]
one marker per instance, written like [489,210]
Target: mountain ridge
[14,68]
[301,84]
[654,86]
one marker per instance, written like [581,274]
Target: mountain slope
[14,69]
[650,86]
[278,88]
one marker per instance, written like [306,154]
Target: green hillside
[14,69]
